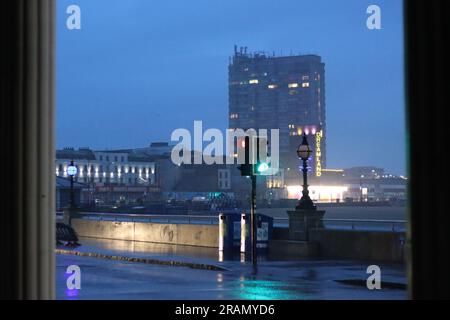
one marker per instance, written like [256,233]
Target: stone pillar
[69,214]
[27,222]
[300,221]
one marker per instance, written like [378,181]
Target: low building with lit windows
[113,175]
[121,167]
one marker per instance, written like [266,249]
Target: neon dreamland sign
[319,136]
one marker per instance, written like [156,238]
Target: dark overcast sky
[139,69]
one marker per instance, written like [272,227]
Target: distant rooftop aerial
[71,153]
[155,151]
[243,52]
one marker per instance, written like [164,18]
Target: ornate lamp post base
[69,214]
[302,220]
[306,203]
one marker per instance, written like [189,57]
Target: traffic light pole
[253,224]
[252,170]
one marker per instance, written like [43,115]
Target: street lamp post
[304,152]
[360,188]
[72,171]
[306,215]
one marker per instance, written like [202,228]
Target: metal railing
[351,224]
[153,218]
[354,224]
[371,224]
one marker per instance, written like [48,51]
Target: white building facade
[104,168]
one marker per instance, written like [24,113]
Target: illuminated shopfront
[319,193]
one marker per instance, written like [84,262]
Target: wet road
[107,279]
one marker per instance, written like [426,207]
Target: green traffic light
[262,167]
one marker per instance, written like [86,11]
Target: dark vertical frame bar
[27,220]
[427,29]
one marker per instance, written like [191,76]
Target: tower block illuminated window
[285,93]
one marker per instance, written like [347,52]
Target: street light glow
[262,167]
[72,170]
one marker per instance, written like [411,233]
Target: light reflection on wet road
[282,280]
